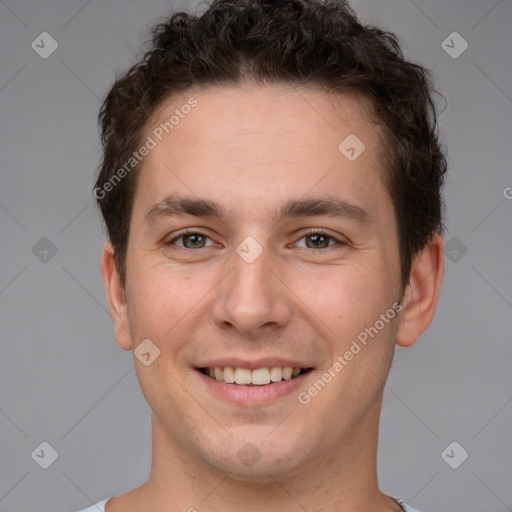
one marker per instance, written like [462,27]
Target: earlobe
[115,297]
[422,293]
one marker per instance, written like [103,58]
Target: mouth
[239,376]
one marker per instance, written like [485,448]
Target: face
[290,266]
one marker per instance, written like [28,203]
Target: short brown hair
[300,42]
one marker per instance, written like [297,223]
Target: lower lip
[253,395]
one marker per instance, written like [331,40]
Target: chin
[257,457]
[267,468]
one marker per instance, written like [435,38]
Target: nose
[253,298]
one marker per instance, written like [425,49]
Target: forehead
[256,110]
[255,140]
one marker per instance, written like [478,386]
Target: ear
[115,297]
[422,293]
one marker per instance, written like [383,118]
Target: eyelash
[309,232]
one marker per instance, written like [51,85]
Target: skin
[251,148]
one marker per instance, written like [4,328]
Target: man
[271,188]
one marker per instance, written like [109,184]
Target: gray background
[63,379]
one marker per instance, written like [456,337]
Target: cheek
[162,297]
[164,395]
[346,297]
[167,301]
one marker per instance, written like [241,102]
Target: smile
[257,377]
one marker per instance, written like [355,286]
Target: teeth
[218,373]
[261,376]
[276,374]
[258,377]
[243,376]
[287,372]
[229,375]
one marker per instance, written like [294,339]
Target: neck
[343,480]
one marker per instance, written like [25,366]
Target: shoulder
[404,505]
[98,507]
[407,508]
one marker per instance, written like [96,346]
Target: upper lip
[265,362]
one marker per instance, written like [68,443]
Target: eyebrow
[179,206]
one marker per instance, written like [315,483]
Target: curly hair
[312,43]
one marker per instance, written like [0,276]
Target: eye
[191,240]
[315,239]
[319,239]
